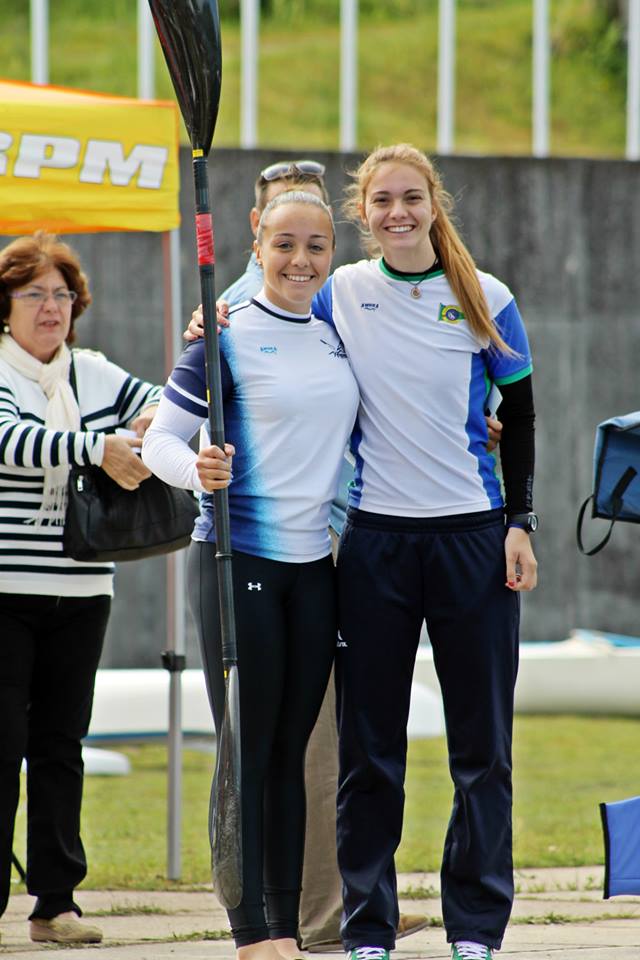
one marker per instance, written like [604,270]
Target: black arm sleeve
[517,446]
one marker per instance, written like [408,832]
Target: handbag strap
[617,501]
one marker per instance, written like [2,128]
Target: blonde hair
[457,263]
[294,196]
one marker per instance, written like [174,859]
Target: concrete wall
[564,234]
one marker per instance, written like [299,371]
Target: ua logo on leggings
[254,586]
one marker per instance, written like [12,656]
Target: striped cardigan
[31,557]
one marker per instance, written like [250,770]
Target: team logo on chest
[336,349]
[450,314]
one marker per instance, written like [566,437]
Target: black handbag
[106,522]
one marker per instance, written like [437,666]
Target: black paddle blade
[189,33]
[225,814]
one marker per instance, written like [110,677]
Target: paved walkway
[558,915]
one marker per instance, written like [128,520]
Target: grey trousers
[321,899]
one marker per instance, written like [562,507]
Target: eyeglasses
[285,169]
[35,298]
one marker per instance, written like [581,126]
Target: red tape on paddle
[204,239]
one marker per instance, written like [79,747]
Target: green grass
[93,46]
[564,767]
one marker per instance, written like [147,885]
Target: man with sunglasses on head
[321,900]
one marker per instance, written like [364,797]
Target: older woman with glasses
[57,408]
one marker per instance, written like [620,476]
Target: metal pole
[40,41]
[633,82]
[249,23]
[446,75]
[177,324]
[146,62]
[348,74]
[173,658]
[174,663]
[541,61]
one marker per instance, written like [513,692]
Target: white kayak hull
[134,704]
[586,674]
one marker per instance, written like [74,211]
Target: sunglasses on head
[285,169]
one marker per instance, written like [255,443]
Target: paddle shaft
[206,267]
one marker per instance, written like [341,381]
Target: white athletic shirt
[420,440]
[290,402]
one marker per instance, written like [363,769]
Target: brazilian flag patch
[450,314]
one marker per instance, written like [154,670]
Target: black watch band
[526,521]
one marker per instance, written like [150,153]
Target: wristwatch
[526,521]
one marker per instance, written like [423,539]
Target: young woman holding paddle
[289,403]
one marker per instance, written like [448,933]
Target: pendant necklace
[416,292]
[413,279]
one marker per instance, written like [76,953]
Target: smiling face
[397,210]
[295,252]
[40,328]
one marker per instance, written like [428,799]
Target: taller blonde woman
[429,536]
[289,405]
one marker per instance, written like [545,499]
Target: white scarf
[62,413]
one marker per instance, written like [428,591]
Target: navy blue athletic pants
[393,573]
[286,625]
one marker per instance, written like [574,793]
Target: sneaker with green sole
[469,950]
[368,953]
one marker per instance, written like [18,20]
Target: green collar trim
[429,274]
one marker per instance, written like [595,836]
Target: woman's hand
[142,422]
[121,463]
[522,567]
[195,330]
[494,428]
[214,467]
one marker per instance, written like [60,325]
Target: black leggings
[286,633]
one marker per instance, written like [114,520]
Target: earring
[5,328]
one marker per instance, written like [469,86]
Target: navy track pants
[393,573]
